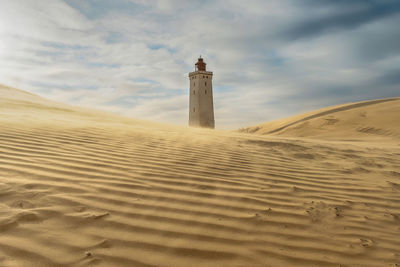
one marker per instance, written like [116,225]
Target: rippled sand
[85,188]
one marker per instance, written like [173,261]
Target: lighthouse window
[205,83]
[205,91]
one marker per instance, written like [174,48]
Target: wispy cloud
[270,58]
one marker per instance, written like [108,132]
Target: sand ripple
[93,192]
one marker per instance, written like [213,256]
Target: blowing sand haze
[150,133]
[85,188]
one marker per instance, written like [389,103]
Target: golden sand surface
[375,119]
[87,188]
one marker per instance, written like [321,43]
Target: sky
[271,58]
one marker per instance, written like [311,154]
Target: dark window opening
[194,109]
[205,83]
[194,92]
[194,84]
[205,91]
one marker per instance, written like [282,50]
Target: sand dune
[377,119]
[85,188]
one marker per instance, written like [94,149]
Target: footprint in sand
[394,186]
[22,204]
[96,216]
[320,211]
[365,242]
[396,217]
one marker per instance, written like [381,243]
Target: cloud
[270,58]
[340,15]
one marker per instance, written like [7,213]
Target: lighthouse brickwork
[201,108]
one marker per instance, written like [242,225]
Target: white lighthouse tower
[201,108]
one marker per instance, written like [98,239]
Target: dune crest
[86,188]
[362,120]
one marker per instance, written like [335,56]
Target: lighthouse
[201,108]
